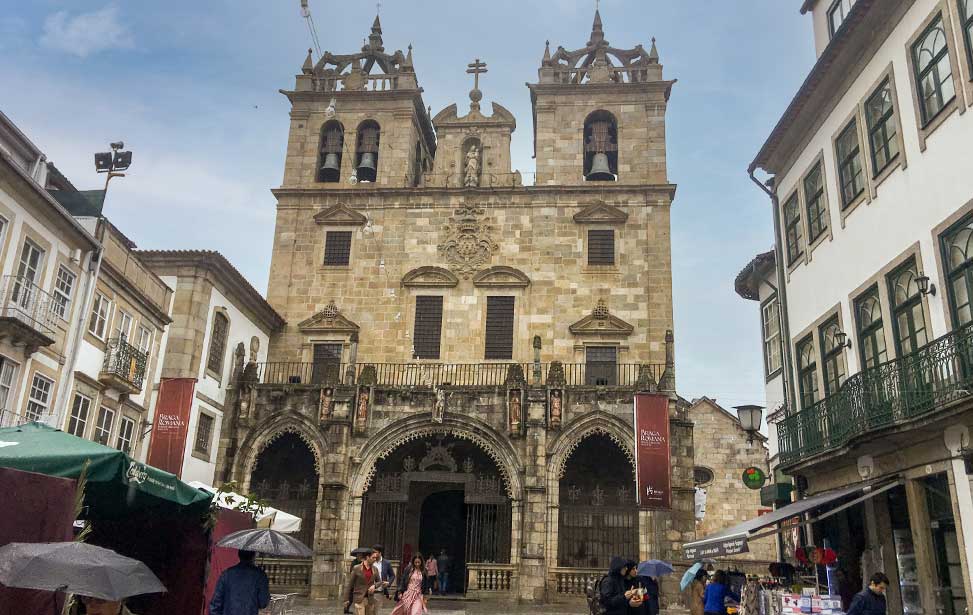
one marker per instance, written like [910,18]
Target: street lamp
[841,339]
[750,417]
[925,287]
[112,163]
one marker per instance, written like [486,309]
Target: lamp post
[925,287]
[112,163]
[750,417]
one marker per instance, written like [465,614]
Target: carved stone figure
[361,414]
[439,410]
[555,408]
[515,410]
[471,177]
[254,348]
[324,407]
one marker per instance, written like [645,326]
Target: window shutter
[601,247]
[337,248]
[500,328]
[428,329]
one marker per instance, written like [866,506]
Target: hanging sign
[754,478]
[171,424]
[652,461]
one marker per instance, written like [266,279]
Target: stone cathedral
[463,344]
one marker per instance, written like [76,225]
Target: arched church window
[366,153]
[600,147]
[332,145]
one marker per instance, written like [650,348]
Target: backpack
[592,593]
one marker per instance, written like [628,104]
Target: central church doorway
[434,493]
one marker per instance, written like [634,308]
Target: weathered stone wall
[722,447]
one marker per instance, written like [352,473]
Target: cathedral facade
[463,345]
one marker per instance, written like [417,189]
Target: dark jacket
[650,605]
[356,586]
[241,590]
[612,590]
[867,602]
[715,598]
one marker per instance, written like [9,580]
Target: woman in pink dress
[409,594]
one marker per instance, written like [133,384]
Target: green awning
[117,484]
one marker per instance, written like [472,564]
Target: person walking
[360,587]
[714,600]
[696,592]
[432,574]
[411,600]
[443,563]
[615,599]
[386,574]
[242,589]
[871,600]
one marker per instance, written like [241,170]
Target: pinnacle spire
[547,54]
[308,67]
[377,26]
[654,53]
[375,38]
[597,32]
[408,58]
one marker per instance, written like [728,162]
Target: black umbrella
[266,541]
[77,568]
[362,551]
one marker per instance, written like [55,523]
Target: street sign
[754,478]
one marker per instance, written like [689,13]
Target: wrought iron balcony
[27,314]
[482,375]
[895,392]
[124,366]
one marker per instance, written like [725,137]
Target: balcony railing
[893,392]
[406,375]
[25,302]
[124,361]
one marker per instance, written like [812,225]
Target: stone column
[333,517]
[886,549]
[957,437]
[922,541]
[533,563]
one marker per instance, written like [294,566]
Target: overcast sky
[192,88]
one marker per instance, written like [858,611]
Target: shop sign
[732,545]
[754,478]
[652,461]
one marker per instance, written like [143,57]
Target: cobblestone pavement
[452,607]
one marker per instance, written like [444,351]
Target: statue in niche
[555,407]
[324,407]
[361,414]
[439,409]
[514,402]
[254,348]
[471,177]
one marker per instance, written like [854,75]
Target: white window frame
[126,434]
[37,406]
[144,335]
[8,374]
[122,317]
[100,313]
[62,298]
[774,304]
[85,402]
[23,267]
[101,429]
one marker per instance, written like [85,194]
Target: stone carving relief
[438,455]
[325,404]
[556,408]
[471,170]
[468,246]
[361,409]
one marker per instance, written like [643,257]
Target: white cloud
[86,33]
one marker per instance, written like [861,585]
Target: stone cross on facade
[476,69]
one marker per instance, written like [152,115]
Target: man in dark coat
[871,600]
[613,594]
[242,590]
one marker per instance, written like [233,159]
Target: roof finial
[308,66]
[597,33]
[375,38]
[654,53]
[546,60]
[408,58]
[476,68]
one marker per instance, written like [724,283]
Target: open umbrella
[266,541]
[75,567]
[362,551]
[654,568]
[690,574]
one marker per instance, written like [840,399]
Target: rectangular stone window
[428,328]
[8,372]
[601,247]
[204,434]
[500,328]
[126,431]
[63,287]
[792,230]
[217,344]
[770,317]
[100,311]
[850,173]
[78,422]
[833,356]
[871,329]
[39,398]
[837,13]
[879,117]
[933,71]
[817,209]
[966,13]
[908,313]
[807,366]
[337,248]
[106,419]
[601,365]
[326,363]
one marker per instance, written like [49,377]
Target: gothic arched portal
[284,475]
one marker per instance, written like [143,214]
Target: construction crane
[309,20]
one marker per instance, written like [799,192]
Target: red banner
[171,424]
[652,471]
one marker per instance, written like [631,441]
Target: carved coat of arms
[468,245]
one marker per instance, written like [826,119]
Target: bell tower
[358,121]
[599,115]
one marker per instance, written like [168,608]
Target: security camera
[118,145]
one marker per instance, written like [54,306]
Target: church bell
[331,169]
[600,171]
[366,168]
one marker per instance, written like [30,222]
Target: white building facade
[872,274]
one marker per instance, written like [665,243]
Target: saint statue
[555,407]
[324,409]
[514,409]
[439,410]
[361,416]
[471,178]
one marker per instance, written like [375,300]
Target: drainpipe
[77,336]
[785,329]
